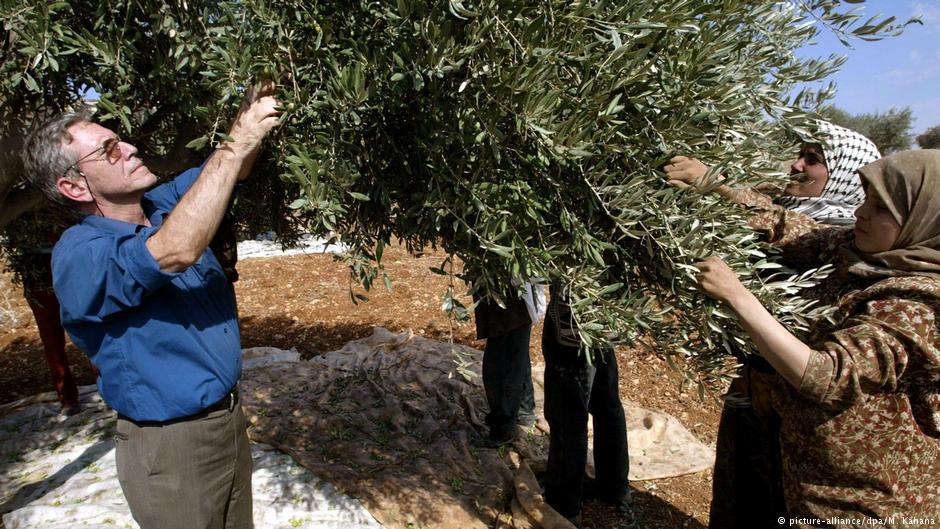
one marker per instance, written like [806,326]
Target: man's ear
[74,189]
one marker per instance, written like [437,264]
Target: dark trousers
[45,307]
[574,389]
[507,380]
[193,474]
[747,487]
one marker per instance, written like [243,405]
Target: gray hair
[45,157]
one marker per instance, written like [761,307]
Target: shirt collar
[120,227]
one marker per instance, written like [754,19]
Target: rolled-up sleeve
[141,264]
[748,197]
[96,277]
[780,225]
[871,353]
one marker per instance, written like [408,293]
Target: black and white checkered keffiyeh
[845,152]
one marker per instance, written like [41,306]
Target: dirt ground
[303,302]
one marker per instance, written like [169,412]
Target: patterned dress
[747,483]
[860,437]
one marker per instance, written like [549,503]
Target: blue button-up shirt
[167,345]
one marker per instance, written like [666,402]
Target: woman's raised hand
[719,281]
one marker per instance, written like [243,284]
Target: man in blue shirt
[149,304]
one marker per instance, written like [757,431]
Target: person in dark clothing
[507,369]
[577,384]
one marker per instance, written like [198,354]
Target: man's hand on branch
[719,281]
[184,236]
[683,172]
[258,114]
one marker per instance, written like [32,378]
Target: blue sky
[896,72]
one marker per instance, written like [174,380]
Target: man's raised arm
[188,229]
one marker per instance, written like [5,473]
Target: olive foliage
[524,136]
[890,130]
[930,138]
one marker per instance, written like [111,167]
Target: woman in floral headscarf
[859,402]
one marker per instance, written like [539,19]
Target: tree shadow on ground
[315,339]
[383,442]
[24,371]
[29,492]
[49,431]
[651,512]
[391,430]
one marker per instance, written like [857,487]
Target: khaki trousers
[188,474]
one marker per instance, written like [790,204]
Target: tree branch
[178,157]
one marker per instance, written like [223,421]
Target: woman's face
[875,227]
[809,171]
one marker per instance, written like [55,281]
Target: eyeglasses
[111,149]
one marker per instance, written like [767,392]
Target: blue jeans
[507,380]
[573,390]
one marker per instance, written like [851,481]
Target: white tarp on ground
[59,472]
[308,244]
[387,420]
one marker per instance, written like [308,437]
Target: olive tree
[890,130]
[525,137]
[930,138]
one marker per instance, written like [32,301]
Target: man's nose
[128,150]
